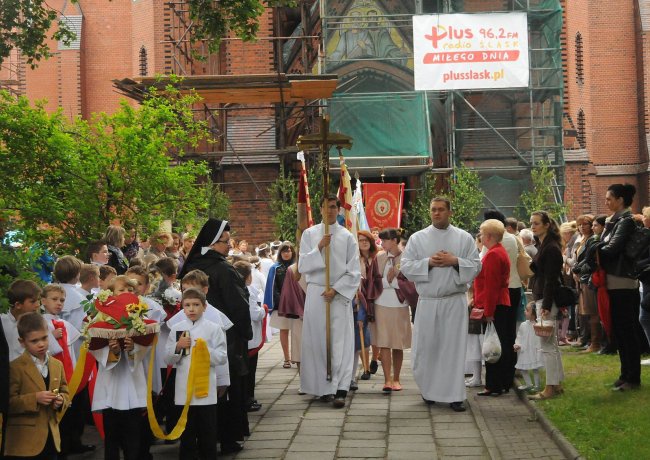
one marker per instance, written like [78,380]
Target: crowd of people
[168,330]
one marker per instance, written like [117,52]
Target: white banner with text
[470,51]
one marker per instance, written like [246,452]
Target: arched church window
[582,139]
[143,61]
[580,69]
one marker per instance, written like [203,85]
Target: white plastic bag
[491,350]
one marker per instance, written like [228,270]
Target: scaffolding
[12,74]
[501,134]
[247,133]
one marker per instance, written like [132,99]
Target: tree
[15,263]
[26,25]
[466,198]
[64,181]
[284,193]
[284,200]
[419,214]
[541,197]
[213,19]
[217,205]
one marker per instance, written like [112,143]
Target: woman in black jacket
[114,239]
[622,286]
[547,266]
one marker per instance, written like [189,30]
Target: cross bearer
[344,278]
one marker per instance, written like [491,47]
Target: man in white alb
[441,260]
[345,276]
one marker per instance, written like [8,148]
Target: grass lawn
[599,422]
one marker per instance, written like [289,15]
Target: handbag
[476,314]
[475,324]
[523,262]
[637,245]
[565,296]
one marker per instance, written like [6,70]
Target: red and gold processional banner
[384,204]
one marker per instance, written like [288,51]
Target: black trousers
[199,439]
[231,410]
[73,422]
[625,304]
[499,375]
[164,405]
[250,378]
[122,429]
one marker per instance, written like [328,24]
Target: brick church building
[592,124]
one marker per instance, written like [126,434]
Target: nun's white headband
[205,249]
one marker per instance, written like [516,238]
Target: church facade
[588,114]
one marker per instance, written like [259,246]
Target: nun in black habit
[227,293]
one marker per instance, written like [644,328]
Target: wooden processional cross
[324,140]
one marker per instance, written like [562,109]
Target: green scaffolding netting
[382,125]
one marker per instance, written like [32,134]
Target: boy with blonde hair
[62,334]
[89,279]
[106,275]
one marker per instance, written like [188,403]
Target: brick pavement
[374,425]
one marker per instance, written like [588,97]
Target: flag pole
[324,152]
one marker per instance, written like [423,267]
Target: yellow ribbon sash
[75,380]
[197,384]
[78,373]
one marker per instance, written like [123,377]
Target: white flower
[103,295]
[172,295]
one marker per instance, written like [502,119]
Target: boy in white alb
[121,389]
[66,272]
[156,312]
[89,280]
[63,335]
[23,296]
[63,340]
[197,336]
[199,280]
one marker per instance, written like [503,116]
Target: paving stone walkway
[373,425]
[395,426]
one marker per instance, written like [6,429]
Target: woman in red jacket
[491,294]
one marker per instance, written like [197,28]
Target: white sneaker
[524,387]
[645,362]
[471,383]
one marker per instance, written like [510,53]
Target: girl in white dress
[528,348]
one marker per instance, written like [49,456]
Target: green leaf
[76,177]
[541,197]
[466,198]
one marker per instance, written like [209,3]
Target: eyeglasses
[222,241]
